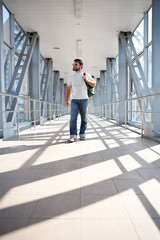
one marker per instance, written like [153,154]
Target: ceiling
[87,29]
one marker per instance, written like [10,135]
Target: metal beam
[136,70]
[108,90]
[156,63]
[19,72]
[113,78]
[45,80]
[2,104]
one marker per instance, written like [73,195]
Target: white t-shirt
[79,88]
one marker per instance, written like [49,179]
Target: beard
[76,69]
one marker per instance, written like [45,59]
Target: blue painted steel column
[34,81]
[61,94]
[122,86]
[147,125]
[55,91]
[2,104]
[156,62]
[102,94]
[108,91]
[50,93]
[97,98]
[145,43]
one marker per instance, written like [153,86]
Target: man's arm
[91,83]
[68,93]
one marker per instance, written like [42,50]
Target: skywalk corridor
[106,187]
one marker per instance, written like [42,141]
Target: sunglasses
[74,64]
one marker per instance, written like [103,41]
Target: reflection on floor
[106,187]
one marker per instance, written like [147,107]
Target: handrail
[106,108]
[51,111]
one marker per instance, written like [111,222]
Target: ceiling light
[56,48]
[79,48]
[78,8]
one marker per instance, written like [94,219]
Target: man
[79,102]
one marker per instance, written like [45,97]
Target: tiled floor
[106,187]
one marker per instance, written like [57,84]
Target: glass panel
[23,108]
[150,25]
[23,103]
[41,64]
[150,66]
[117,68]
[113,111]
[43,70]
[147,108]
[136,114]
[18,37]
[15,60]
[6,25]
[7,66]
[25,87]
[132,86]
[141,59]
[128,82]
[138,37]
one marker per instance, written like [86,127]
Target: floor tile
[132,186]
[107,229]
[105,186]
[147,229]
[12,228]
[150,173]
[17,206]
[99,188]
[60,206]
[102,206]
[52,229]
[141,206]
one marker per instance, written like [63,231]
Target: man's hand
[67,104]
[85,78]
[92,84]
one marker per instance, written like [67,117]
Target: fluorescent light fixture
[56,48]
[79,48]
[78,8]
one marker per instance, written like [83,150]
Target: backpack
[90,89]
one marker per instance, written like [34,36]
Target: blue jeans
[82,106]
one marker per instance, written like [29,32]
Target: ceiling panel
[97,28]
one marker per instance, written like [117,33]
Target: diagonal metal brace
[45,80]
[19,73]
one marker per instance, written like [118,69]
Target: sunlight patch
[156,148]
[153,186]
[130,141]
[148,155]
[129,162]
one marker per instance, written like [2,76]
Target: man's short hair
[79,61]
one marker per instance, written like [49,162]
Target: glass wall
[115,82]
[149,73]
[150,25]
[149,49]
[19,39]
[7,48]
[138,37]
[138,40]
[6,25]
[7,66]
[12,50]
[42,72]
